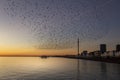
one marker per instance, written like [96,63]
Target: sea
[37,68]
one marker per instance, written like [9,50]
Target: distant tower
[78,46]
[102,48]
[118,47]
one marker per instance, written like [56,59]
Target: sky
[51,27]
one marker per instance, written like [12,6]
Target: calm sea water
[35,68]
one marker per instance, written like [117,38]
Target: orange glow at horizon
[32,51]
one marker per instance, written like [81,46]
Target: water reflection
[103,70]
[35,68]
[78,70]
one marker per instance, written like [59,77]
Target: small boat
[44,57]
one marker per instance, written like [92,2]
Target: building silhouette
[102,48]
[84,53]
[118,47]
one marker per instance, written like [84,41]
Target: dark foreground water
[35,68]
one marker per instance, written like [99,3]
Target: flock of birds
[56,24]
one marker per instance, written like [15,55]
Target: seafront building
[103,52]
[103,48]
[118,47]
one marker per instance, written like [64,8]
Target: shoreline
[92,58]
[100,59]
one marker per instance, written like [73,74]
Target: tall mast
[78,46]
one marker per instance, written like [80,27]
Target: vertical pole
[78,46]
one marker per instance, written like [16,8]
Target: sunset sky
[51,27]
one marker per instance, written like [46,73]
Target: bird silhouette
[58,22]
